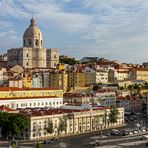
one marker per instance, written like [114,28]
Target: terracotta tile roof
[28,97]
[139,69]
[104,90]
[5,109]
[32,112]
[127,98]
[24,89]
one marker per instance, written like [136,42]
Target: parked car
[144,137]
[98,143]
[55,139]
[48,141]
[124,132]
[115,132]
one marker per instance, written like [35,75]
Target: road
[84,140]
[81,141]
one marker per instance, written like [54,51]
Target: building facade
[77,122]
[32,102]
[52,56]
[13,92]
[32,54]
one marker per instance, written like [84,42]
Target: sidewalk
[136,144]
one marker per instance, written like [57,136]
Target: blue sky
[113,29]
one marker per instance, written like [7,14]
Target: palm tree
[113,115]
[130,88]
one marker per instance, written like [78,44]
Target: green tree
[145,85]
[38,145]
[62,125]
[70,61]
[50,128]
[113,115]
[13,123]
[131,89]
[19,123]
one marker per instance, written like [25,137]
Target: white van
[144,137]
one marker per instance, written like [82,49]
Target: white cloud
[110,28]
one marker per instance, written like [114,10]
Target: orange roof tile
[25,89]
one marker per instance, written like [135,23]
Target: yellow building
[27,80]
[139,74]
[58,79]
[76,79]
[89,78]
[79,79]
[61,66]
[13,92]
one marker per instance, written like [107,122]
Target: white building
[118,75]
[3,76]
[32,102]
[101,76]
[105,97]
[76,121]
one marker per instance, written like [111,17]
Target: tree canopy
[62,125]
[13,123]
[70,61]
[50,128]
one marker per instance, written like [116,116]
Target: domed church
[32,54]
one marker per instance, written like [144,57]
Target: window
[24,43]
[37,42]
[29,42]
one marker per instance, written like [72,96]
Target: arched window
[24,43]
[37,42]
[29,42]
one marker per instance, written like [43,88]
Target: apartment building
[118,75]
[130,103]
[76,98]
[59,79]
[139,74]
[3,76]
[106,97]
[101,76]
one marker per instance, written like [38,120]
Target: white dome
[32,30]
[33,35]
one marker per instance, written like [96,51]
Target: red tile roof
[5,109]
[28,97]
[43,112]
[24,89]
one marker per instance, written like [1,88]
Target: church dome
[32,36]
